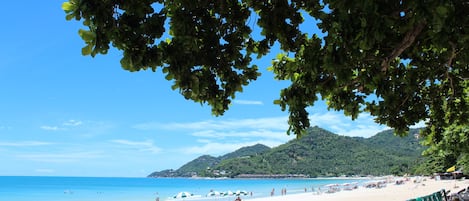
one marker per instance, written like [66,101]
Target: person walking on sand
[238,199]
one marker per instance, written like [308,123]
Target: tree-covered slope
[246,151]
[321,153]
[317,153]
[198,165]
[201,166]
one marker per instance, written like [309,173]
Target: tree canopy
[449,145]
[401,61]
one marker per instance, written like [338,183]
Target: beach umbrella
[183,195]
[213,193]
[451,169]
[238,193]
[228,193]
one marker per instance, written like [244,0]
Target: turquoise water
[13,188]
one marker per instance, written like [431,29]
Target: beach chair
[436,196]
[462,195]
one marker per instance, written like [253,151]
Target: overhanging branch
[406,42]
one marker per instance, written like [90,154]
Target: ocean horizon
[62,188]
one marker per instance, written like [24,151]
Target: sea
[35,188]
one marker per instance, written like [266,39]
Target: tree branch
[453,55]
[450,62]
[405,43]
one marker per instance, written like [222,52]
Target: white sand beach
[392,192]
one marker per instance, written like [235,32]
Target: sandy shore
[392,192]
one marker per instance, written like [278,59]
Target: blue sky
[63,114]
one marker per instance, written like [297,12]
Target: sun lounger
[462,195]
[437,196]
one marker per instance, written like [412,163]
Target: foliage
[202,165]
[246,151]
[449,142]
[198,165]
[397,60]
[321,153]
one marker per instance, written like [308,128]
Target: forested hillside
[201,166]
[321,153]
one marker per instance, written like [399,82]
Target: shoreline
[413,188]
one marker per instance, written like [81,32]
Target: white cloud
[145,146]
[421,124]
[64,126]
[277,123]
[50,128]
[217,148]
[363,126]
[247,102]
[24,144]
[72,123]
[271,127]
[61,157]
[259,133]
[223,136]
[238,132]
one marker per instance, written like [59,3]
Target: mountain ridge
[318,153]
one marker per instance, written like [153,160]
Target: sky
[64,114]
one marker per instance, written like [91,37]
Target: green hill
[202,165]
[246,151]
[321,153]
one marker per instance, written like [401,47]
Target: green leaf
[87,22]
[169,76]
[68,7]
[86,50]
[87,36]
[441,10]
[296,76]
[69,17]
[363,22]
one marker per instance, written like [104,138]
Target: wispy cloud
[421,124]
[273,127]
[50,128]
[218,148]
[275,123]
[222,136]
[61,157]
[63,126]
[72,123]
[145,146]
[363,126]
[24,144]
[247,102]
[259,133]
